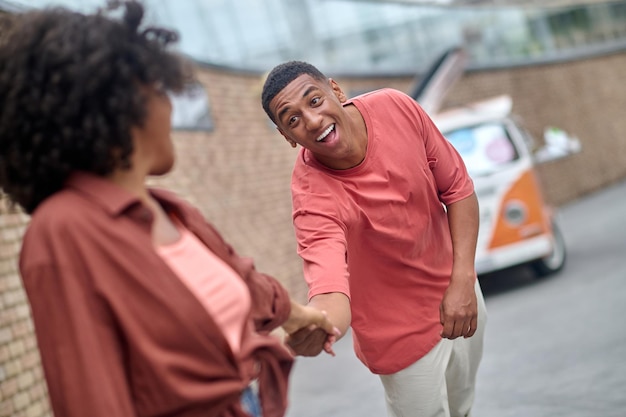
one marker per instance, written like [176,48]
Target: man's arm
[458,310]
[310,341]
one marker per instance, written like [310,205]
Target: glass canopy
[375,36]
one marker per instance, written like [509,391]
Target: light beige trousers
[440,384]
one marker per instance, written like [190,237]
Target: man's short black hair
[281,76]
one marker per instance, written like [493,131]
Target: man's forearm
[463,219]
[310,341]
[337,307]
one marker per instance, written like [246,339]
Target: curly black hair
[70,91]
[280,76]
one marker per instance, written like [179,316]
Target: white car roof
[474,113]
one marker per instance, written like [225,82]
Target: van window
[485,148]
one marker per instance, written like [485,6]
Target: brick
[5,354]
[14,297]
[25,380]
[35,410]
[30,359]
[8,316]
[13,280]
[22,311]
[21,401]
[30,343]
[22,328]
[6,335]
[38,372]
[9,387]
[6,409]
[17,348]
[38,390]
[12,368]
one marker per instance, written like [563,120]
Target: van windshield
[485,148]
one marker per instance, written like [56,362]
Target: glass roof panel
[372,36]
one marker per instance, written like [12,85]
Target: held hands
[311,341]
[309,331]
[458,311]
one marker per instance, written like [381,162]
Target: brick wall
[22,389]
[239,174]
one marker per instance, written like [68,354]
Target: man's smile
[325,133]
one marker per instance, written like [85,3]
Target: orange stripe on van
[527,191]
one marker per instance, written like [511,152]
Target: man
[386,221]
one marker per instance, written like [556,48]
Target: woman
[140,308]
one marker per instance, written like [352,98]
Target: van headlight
[515,213]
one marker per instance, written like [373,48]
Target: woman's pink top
[220,290]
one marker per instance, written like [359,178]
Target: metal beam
[536,4]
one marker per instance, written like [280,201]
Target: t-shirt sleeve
[322,246]
[446,165]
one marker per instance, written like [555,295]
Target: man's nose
[312,120]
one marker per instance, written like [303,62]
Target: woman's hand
[309,331]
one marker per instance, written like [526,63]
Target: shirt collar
[113,198]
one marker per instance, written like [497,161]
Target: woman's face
[154,150]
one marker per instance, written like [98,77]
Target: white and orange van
[517,226]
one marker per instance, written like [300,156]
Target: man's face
[309,113]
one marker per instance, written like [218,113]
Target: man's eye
[292,120]
[315,100]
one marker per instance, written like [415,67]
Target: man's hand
[309,331]
[310,341]
[458,311]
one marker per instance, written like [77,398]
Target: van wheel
[554,262]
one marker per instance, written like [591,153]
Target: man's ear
[290,141]
[338,91]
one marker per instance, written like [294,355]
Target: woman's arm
[79,345]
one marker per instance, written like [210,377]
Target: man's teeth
[325,133]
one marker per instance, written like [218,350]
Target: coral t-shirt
[379,232]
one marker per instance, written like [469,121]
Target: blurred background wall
[235,166]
